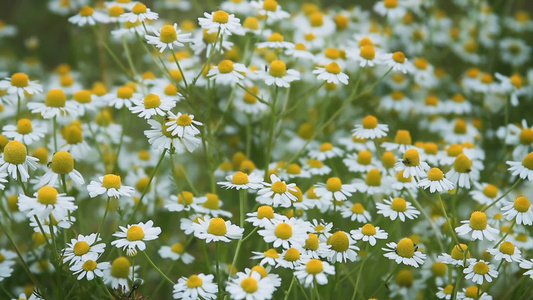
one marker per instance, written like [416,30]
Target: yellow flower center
[24,126]
[405,278]
[225,66]
[265,211]
[111,181]
[283,231]
[435,174]
[334,184]
[55,98]
[278,68]
[20,80]
[294,169]
[370,122]
[249,285]
[528,161]
[152,101]
[448,290]
[139,8]
[507,248]
[368,229]
[221,17]
[47,195]
[405,248]
[490,191]
[142,184]
[251,23]
[481,268]
[83,96]
[250,98]
[62,162]
[275,37]
[411,158]
[171,90]
[271,253]
[292,254]
[368,52]
[178,248]
[185,198]
[81,248]
[462,164]
[310,37]
[270,5]
[439,269]
[357,208]
[403,137]
[364,157]
[326,147]
[421,63]
[389,159]
[316,19]
[373,178]
[526,136]
[279,187]
[339,241]
[217,226]
[454,150]
[120,268]
[86,11]
[314,266]
[458,253]
[522,204]
[487,78]
[516,81]
[333,68]
[261,270]
[212,201]
[432,100]
[460,127]
[115,11]
[341,21]
[478,220]
[398,57]
[168,34]
[399,204]
[124,92]
[89,265]
[209,38]
[391,3]
[312,242]
[240,178]
[472,292]
[194,282]
[135,233]
[66,80]
[458,98]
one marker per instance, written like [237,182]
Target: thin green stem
[452,231]
[504,194]
[179,68]
[219,283]
[157,269]
[360,274]
[103,219]
[288,292]
[270,140]
[506,234]
[387,279]
[54,129]
[424,213]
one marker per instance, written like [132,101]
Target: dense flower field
[240,149]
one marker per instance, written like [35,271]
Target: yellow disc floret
[368,229]
[20,80]
[225,66]
[334,184]
[333,68]
[314,266]
[399,204]
[278,68]
[62,162]
[370,122]
[81,248]
[217,226]
[24,126]
[411,158]
[240,178]
[406,248]
[283,231]
[47,195]
[135,233]
[55,98]
[168,34]
[194,282]
[478,220]
[435,174]
[120,268]
[522,204]
[249,285]
[111,181]
[221,17]
[528,161]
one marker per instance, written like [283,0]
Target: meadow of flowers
[184,149]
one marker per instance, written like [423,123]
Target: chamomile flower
[473,293]
[15,161]
[523,169]
[182,125]
[270,9]
[461,174]
[411,165]
[124,96]
[133,237]
[47,202]
[275,41]
[241,180]
[196,286]
[139,13]
[216,229]
[250,286]
[528,265]
[445,292]
[227,72]
[456,257]
[176,252]
[366,56]
[334,189]
[278,74]
[436,182]
[277,193]
[370,129]
[55,105]
[285,232]
[397,62]
[485,193]
[268,257]
[152,105]
[478,226]
[332,73]
[480,271]
[314,270]
[369,233]
[360,162]
[221,22]
[87,16]
[161,139]
[392,9]
[120,273]
[19,84]
[325,151]
[89,267]
[405,252]
[79,248]
[397,208]
[111,185]
[291,258]
[24,131]
[355,211]
[520,210]
[506,251]
[168,36]
[62,164]
[264,214]
[374,183]
[342,248]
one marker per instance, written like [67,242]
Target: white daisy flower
[79,248]
[85,101]
[456,257]
[480,271]
[334,189]
[397,208]
[369,233]
[87,15]
[196,286]
[120,274]
[356,212]
[184,201]
[275,41]
[133,237]
[366,56]
[89,267]
[405,252]
[124,96]
[3,180]
[278,74]
[161,139]
[478,225]
[47,202]
[270,9]
[15,161]
[278,193]
[370,129]
[216,230]
[152,105]
[373,183]
[168,36]
[264,214]
[24,131]
[325,151]
[182,125]
[523,169]
[210,204]
[506,251]
[252,286]
[520,210]
[291,258]
[227,72]
[62,164]
[436,182]
[392,9]
[268,257]
[342,248]
[397,62]
[139,13]
[314,247]
[472,293]
[19,84]
[485,193]
[55,105]
[222,22]
[285,232]
[111,185]
[241,180]
[411,165]
[445,292]
[176,252]
[314,270]
[528,265]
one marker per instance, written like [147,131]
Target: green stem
[504,194]
[270,140]
[54,129]
[288,292]
[219,283]
[157,269]
[387,280]
[452,230]
[121,141]
[360,272]
[179,68]
[506,234]
[424,213]
[111,53]
[103,219]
